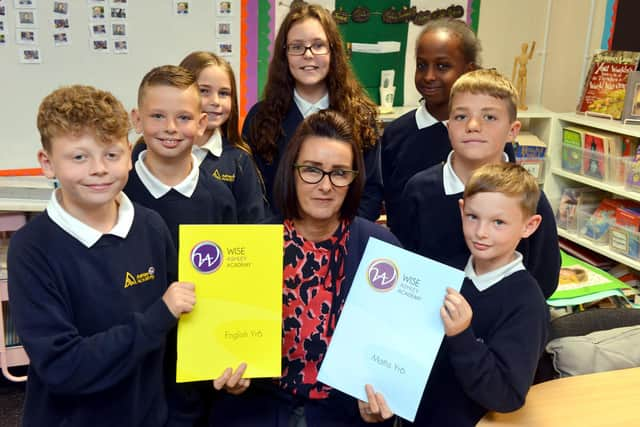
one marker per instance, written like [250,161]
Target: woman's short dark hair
[326,124]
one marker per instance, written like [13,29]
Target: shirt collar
[424,119]
[452,183]
[307,108]
[485,281]
[213,146]
[158,188]
[87,235]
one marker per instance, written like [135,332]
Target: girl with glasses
[310,72]
[317,188]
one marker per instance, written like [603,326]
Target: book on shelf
[633,172]
[529,146]
[585,254]
[530,151]
[594,160]
[581,282]
[597,225]
[572,138]
[603,92]
[572,200]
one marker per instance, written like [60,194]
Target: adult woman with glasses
[309,72]
[317,188]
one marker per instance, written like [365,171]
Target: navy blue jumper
[432,227]
[491,364]
[93,322]
[210,203]
[407,150]
[235,168]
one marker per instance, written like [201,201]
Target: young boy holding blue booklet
[496,326]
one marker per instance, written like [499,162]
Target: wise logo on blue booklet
[382,275]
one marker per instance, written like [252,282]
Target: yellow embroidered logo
[131,280]
[223,176]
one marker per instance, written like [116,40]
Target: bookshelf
[557,178]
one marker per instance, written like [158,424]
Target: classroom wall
[156,36]
[555,73]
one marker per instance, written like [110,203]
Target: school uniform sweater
[93,322]
[432,226]
[408,149]
[236,170]
[491,364]
[210,203]
[265,404]
[371,201]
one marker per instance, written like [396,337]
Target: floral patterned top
[313,275]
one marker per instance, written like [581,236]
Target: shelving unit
[17,198]
[12,355]
[556,178]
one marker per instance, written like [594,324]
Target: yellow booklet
[237,270]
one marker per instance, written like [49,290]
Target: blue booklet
[390,330]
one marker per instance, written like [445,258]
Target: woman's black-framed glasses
[338,177]
[317,48]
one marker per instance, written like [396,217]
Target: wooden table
[604,399]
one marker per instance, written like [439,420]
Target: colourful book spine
[572,150]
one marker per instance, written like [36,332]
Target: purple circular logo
[206,257]
[382,275]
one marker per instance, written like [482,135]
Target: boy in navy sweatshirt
[482,118]
[89,277]
[496,326]
[166,176]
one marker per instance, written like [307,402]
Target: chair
[583,323]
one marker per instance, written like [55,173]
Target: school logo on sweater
[224,176]
[206,257]
[382,275]
[131,279]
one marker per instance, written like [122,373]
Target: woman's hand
[376,409]
[233,382]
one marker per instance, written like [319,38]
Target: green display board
[367,66]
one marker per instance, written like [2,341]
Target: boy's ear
[202,124]
[514,130]
[531,225]
[45,164]
[461,205]
[136,120]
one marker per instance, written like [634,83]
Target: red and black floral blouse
[312,301]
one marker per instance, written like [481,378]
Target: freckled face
[479,126]
[91,173]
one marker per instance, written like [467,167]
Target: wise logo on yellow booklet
[237,270]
